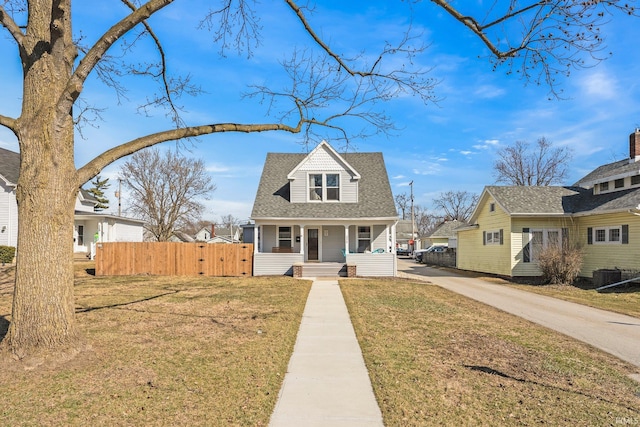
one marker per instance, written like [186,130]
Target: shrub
[7,253]
[560,265]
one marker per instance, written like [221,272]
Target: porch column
[393,237]
[346,239]
[257,239]
[302,239]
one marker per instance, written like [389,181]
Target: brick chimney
[634,145]
[213,230]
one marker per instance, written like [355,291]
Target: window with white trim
[284,237]
[492,207]
[539,240]
[635,180]
[324,187]
[618,183]
[364,239]
[492,237]
[604,186]
[604,235]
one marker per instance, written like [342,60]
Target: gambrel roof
[375,199]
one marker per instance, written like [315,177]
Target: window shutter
[625,234]
[526,251]
[484,237]
[501,237]
[589,236]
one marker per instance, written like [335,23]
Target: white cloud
[489,91]
[601,85]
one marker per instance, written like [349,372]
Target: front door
[312,244]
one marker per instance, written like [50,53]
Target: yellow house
[512,224]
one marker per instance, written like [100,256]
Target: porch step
[324,269]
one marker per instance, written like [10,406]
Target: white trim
[607,231]
[324,144]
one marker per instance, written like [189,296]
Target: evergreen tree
[97,191]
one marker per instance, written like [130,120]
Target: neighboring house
[324,207]
[512,224]
[89,228]
[405,235]
[445,234]
[203,234]
[225,235]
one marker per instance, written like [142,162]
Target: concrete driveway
[616,334]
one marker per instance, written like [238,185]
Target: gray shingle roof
[561,200]
[375,197]
[9,165]
[446,229]
[605,172]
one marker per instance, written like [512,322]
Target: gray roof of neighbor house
[375,197]
[446,229]
[526,200]
[10,165]
[605,172]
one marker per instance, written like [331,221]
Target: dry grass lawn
[165,351]
[436,358]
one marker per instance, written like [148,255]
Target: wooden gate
[174,259]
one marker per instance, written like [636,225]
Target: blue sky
[448,146]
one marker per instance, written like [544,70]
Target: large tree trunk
[43,319]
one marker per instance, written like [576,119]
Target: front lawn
[437,358]
[164,351]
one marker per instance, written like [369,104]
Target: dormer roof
[322,158]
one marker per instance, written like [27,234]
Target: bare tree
[519,164]
[426,222]
[456,204]
[403,203]
[165,191]
[325,89]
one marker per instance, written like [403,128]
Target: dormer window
[604,186]
[324,187]
[635,180]
[619,183]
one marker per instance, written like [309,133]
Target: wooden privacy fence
[174,259]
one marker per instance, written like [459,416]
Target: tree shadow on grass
[4,327]
[123,304]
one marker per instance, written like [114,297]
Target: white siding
[8,216]
[300,186]
[127,232]
[373,265]
[267,264]
[332,244]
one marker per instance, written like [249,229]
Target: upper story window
[492,207]
[324,187]
[604,186]
[619,183]
[635,180]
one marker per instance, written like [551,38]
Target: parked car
[434,248]
[400,251]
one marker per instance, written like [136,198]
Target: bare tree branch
[8,122]
[456,205]
[540,40]
[93,167]
[520,165]
[13,28]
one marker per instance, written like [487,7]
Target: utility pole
[413,223]
[119,196]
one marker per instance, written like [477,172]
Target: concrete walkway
[327,383]
[613,333]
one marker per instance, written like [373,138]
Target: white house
[90,227]
[325,208]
